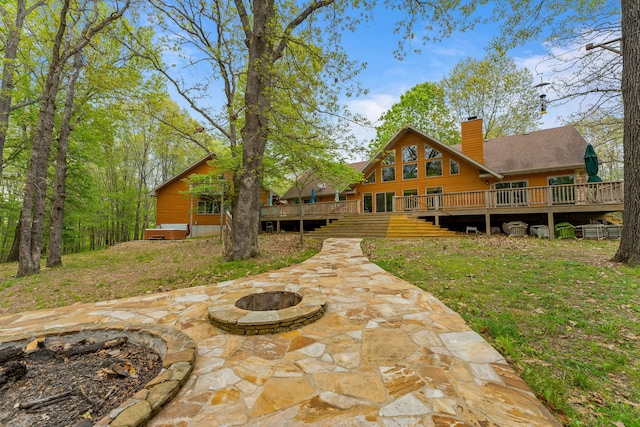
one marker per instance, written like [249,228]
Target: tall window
[433,166]
[410,153]
[454,167]
[410,162]
[389,172]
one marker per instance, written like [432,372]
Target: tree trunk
[14,253]
[629,250]
[54,256]
[246,221]
[8,67]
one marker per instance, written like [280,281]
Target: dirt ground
[76,390]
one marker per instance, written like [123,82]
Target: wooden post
[487,223]
[552,233]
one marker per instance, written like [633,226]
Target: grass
[564,316]
[142,267]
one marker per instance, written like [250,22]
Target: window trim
[415,152]
[426,168]
[416,171]
[366,180]
[451,162]
[382,177]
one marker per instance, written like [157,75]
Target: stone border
[224,314]
[177,349]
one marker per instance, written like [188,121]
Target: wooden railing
[593,193]
[310,209]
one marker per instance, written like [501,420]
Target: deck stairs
[386,226]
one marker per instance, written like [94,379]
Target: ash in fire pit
[276,300]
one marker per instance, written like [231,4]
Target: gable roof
[180,175]
[328,190]
[434,143]
[544,150]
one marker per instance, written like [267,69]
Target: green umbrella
[591,163]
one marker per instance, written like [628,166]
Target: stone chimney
[472,139]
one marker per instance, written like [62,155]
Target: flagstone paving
[384,353]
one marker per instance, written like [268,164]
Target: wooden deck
[596,198]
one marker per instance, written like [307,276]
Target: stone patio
[385,353]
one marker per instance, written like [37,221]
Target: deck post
[552,232]
[487,223]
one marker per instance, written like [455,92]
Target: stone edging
[177,349]
[224,314]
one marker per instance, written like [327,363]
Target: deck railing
[310,209]
[592,193]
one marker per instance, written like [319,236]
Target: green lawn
[564,316]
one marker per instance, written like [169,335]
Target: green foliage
[423,107]
[495,90]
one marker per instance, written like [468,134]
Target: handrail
[593,193]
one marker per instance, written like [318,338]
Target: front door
[367,202]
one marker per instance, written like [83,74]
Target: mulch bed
[61,385]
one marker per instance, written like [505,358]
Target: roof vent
[472,118]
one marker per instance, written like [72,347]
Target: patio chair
[539,231]
[564,230]
[593,231]
[613,231]
[515,228]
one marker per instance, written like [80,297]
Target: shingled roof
[557,148]
[322,191]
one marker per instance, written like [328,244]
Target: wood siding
[175,206]
[473,139]
[469,178]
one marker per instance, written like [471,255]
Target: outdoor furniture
[471,229]
[539,231]
[593,231]
[613,231]
[495,230]
[564,230]
[515,228]
[269,227]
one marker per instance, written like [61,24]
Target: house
[539,178]
[196,207]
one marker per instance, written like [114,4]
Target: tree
[629,250]
[495,90]
[64,47]
[253,51]
[11,42]
[422,107]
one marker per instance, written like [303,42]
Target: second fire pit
[267,312]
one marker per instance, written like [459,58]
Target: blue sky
[387,78]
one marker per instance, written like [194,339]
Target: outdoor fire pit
[75,377]
[259,312]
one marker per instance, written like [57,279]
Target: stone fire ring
[225,314]
[177,350]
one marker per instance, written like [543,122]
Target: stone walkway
[385,353]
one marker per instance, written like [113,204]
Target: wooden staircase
[385,226]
